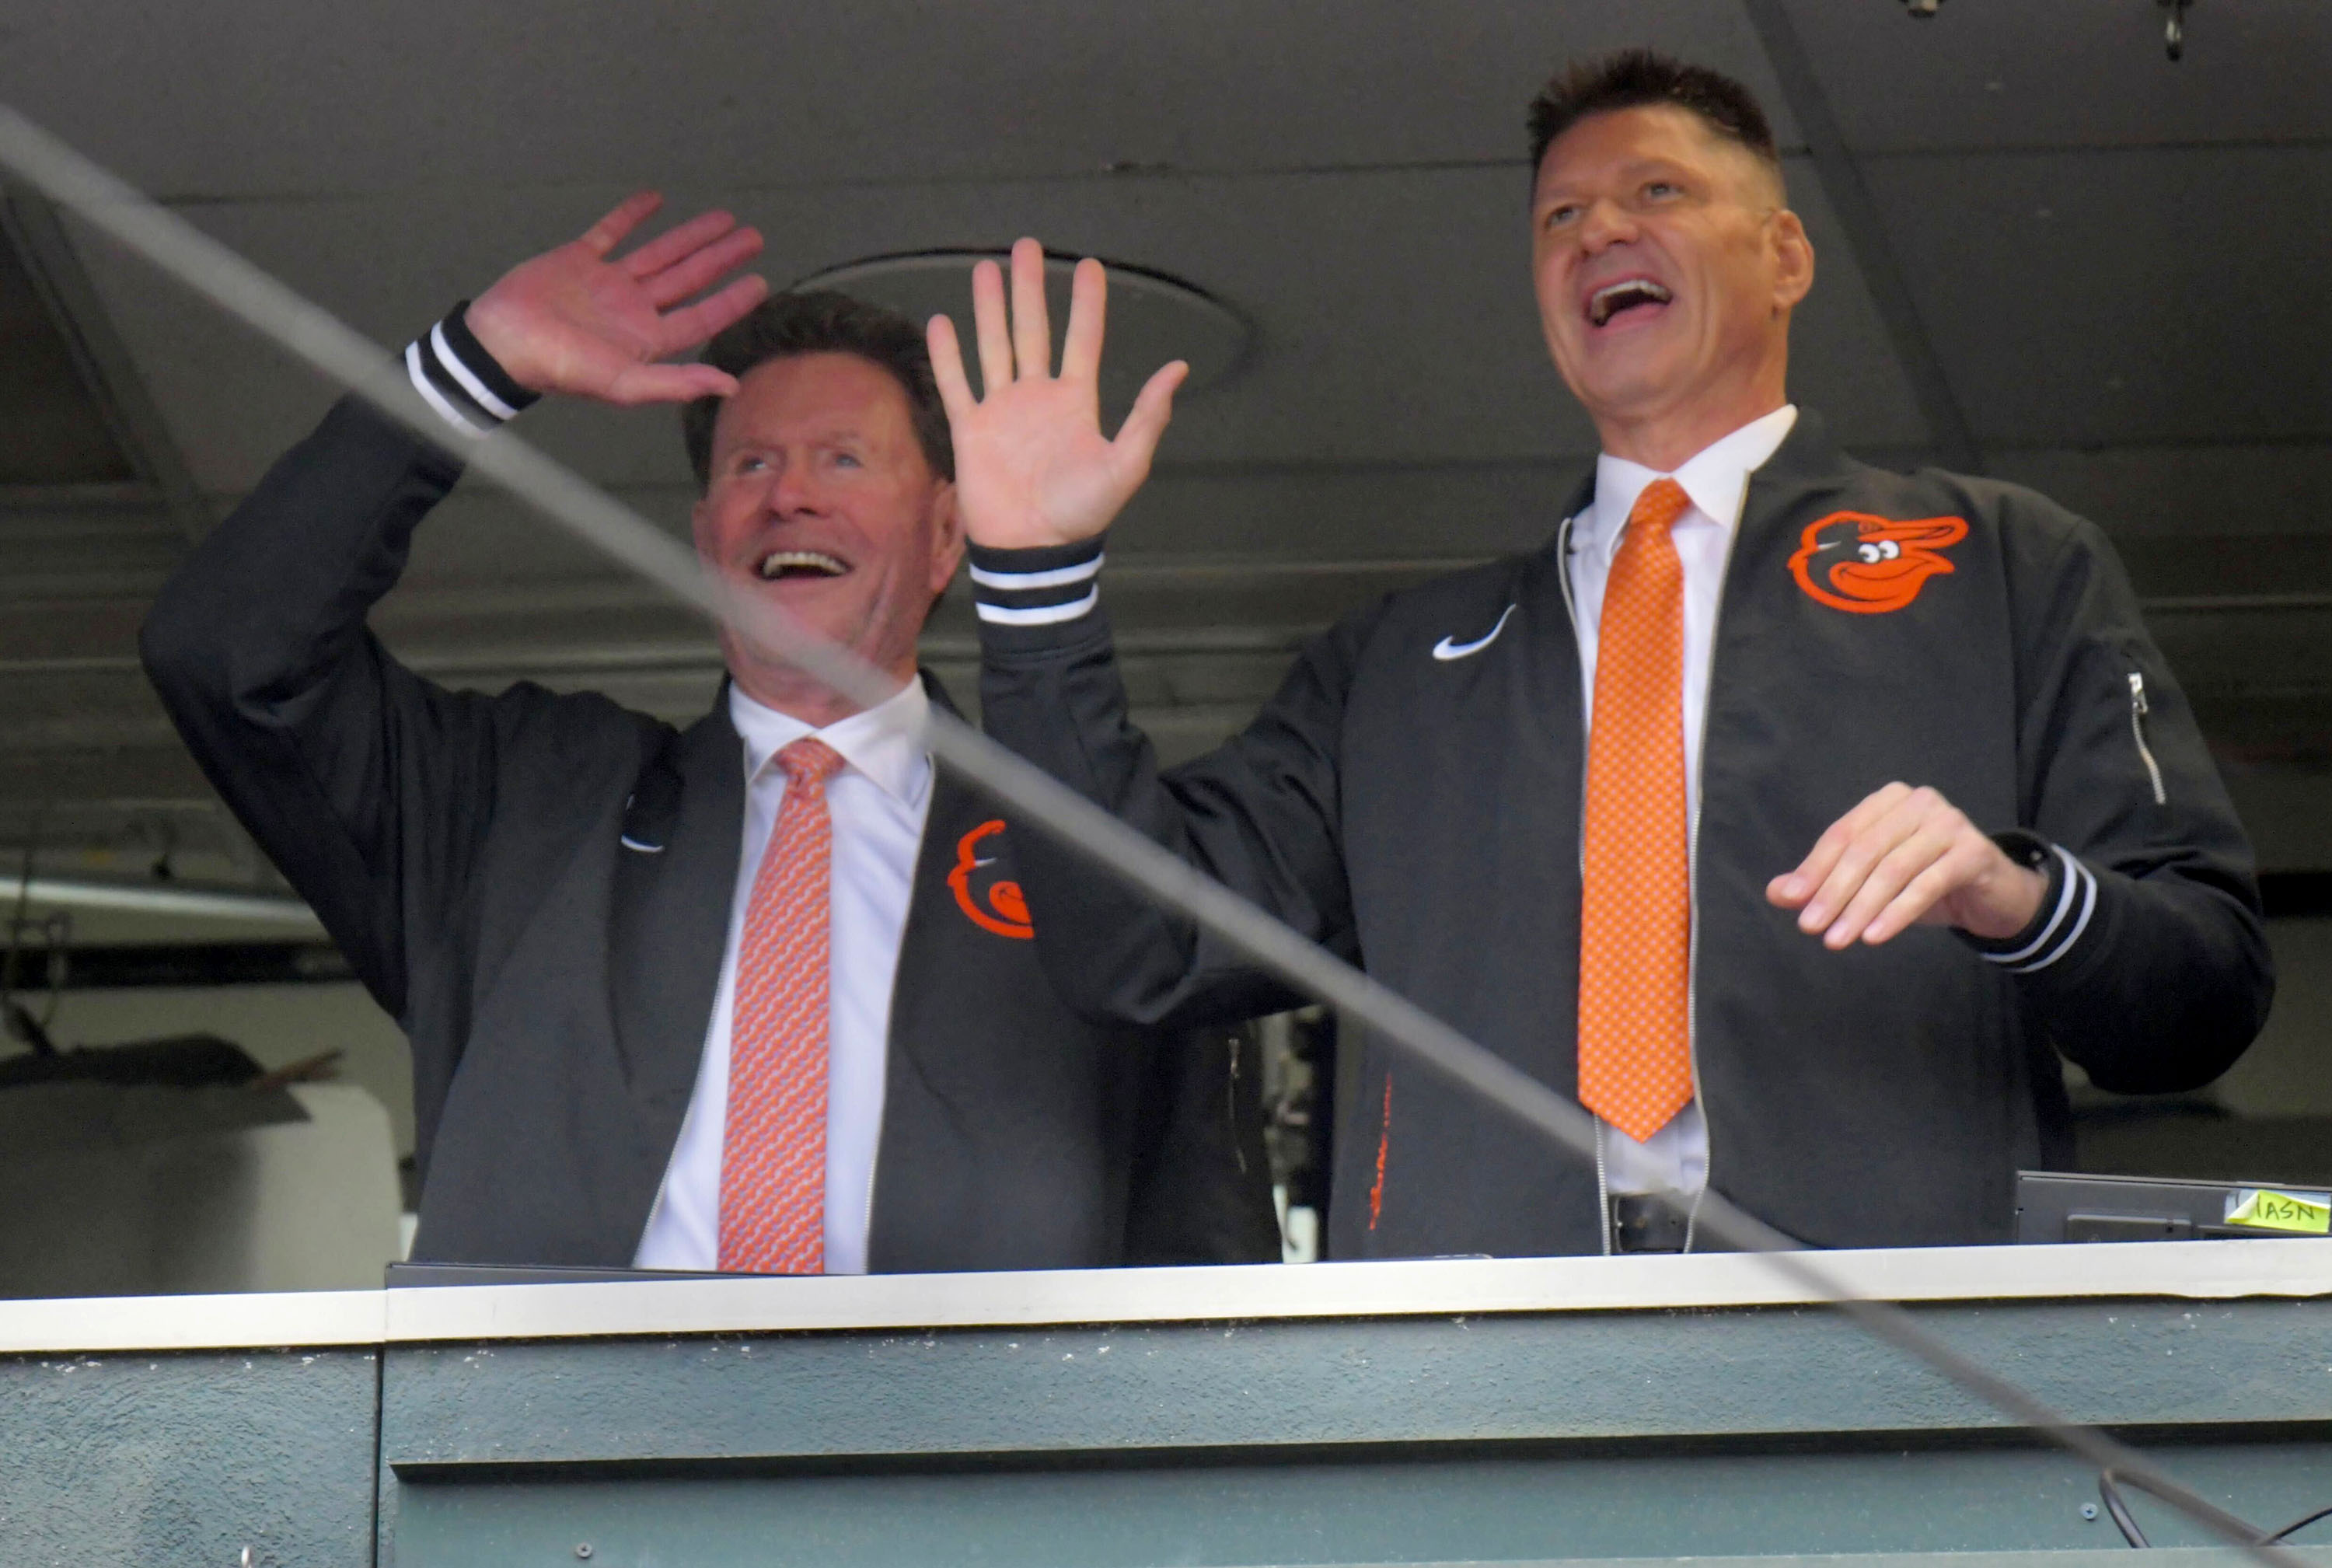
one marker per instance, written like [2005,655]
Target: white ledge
[316,1319]
[1440,1287]
[2188,1270]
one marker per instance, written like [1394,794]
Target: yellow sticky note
[2263,1209]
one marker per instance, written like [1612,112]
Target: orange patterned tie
[773,1150]
[1635,927]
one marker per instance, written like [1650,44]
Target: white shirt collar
[1716,478]
[882,741]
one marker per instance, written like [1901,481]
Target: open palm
[1032,466]
[583,320]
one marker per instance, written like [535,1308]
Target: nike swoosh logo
[1446,650]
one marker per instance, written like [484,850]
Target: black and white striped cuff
[2066,907]
[1037,587]
[457,377]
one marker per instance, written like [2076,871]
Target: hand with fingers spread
[1032,465]
[1905,857]
[581,320]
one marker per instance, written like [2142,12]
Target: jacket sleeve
[2148,964]
[1259,814]
[368,787]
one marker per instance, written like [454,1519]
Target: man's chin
[836,623]
[1624,377]
[1628,401]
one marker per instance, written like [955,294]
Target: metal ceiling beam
[159,898]
[182,966]
[1866,235]
[28,220]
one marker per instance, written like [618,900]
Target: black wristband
[456,377]
[1034,588]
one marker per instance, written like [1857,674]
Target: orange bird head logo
[1004,911]
[1851,561]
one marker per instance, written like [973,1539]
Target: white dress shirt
[1716,479]
[877,804]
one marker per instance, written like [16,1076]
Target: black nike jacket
[1420,814]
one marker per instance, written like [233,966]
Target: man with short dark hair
[758,996]
[1639,79]
[1794,815]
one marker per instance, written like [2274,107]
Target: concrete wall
[107,1191]
[276,1024]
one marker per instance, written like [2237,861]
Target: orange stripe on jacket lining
[1384,1142]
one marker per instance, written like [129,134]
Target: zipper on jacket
[1571,614]
[1230,1101]
[1602,1188]
[2138,709]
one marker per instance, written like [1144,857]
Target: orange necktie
[1635,927]
[773,1149]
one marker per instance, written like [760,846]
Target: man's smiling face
[1666,268]
[822,501]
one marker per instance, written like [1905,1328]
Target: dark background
[2045,252]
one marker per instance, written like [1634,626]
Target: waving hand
[581,320]
[1032,465]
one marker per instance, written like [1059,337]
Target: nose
[1603,224]
[793,489]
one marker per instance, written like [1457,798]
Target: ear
[947,536]
[1793,261]
[700,527]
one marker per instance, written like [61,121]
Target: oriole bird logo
[1006,911]
[1851,561]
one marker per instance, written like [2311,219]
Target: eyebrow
[1638,167]
[831,436]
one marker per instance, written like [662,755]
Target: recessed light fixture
[1152,318]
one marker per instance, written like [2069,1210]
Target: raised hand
[580,319]
[1031,464]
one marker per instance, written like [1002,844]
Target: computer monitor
[2061,1206]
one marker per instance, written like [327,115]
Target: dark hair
[1636,78]
[822,321]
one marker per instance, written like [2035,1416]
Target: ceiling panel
[2118,298]
[2184,491]
[1309,260]
[192,100]
[1392,310]
[2069,73]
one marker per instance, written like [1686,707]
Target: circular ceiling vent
[1152,318]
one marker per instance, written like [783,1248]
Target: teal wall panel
[1492,1506]
[1621,1374]
[188,1458]
[1403,1440]
[1423,1439]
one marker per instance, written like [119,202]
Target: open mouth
[786,565]
[1612,300]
